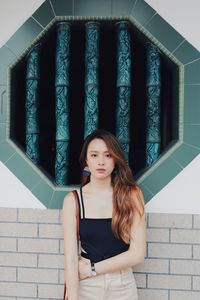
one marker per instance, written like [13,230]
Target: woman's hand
[84,269]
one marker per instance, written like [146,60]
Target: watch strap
[93,267]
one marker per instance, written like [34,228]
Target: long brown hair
[126,193]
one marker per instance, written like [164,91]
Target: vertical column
[123,86]
[32,91]
[61,103]
[91,77]
[153,113]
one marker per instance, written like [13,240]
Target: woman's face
[99,160]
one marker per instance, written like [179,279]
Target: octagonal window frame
[170,42]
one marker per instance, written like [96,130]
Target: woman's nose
[101,161]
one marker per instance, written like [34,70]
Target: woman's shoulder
[69,207]
[69,200]
[137,196]
[137,191]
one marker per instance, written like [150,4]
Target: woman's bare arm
[70,246]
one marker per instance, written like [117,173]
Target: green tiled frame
[158,31]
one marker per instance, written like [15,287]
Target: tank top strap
[79,208]
[83,209]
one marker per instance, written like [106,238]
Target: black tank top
[97,238]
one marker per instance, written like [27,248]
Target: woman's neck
[100,185]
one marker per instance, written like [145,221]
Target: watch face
[94,273]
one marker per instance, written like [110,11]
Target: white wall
[183,15]
[177,196]
[14,193]
[13,13]
[181,194]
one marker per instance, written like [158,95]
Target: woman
[112,225]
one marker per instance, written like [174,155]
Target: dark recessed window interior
[107,97]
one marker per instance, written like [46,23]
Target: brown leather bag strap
[64,296]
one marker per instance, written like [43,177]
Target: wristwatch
[94,273]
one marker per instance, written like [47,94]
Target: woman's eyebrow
[98,151]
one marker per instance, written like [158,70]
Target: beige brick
[18,259]
[28,299]
[146,294]
[61,276]
[188,267]
[37,275]
[179,295]
[39,246]
[50,231]
[169,250]
[7,244]
[18,230]
[157,235]
[51,261]
[146,251]
[38,215]
[61,246]
[168,281]
[196,282]
[196,252]
[7,274]
[151,265]
[9,298]
[196,221]
[141,281]
[61,216]
[18,289]
[50,291]
[170,220]
[185,236]
[8,214]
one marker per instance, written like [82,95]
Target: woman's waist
[96,257]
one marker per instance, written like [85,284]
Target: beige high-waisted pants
[118,285]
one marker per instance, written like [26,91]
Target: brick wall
[172,268]
[31,256]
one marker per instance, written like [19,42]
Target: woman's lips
[100,170]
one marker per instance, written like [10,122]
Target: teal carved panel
[91,77]
[32,104]
[123,86]
[153,112]
[62,100]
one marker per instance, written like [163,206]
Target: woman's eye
[108,155]
[93,155]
